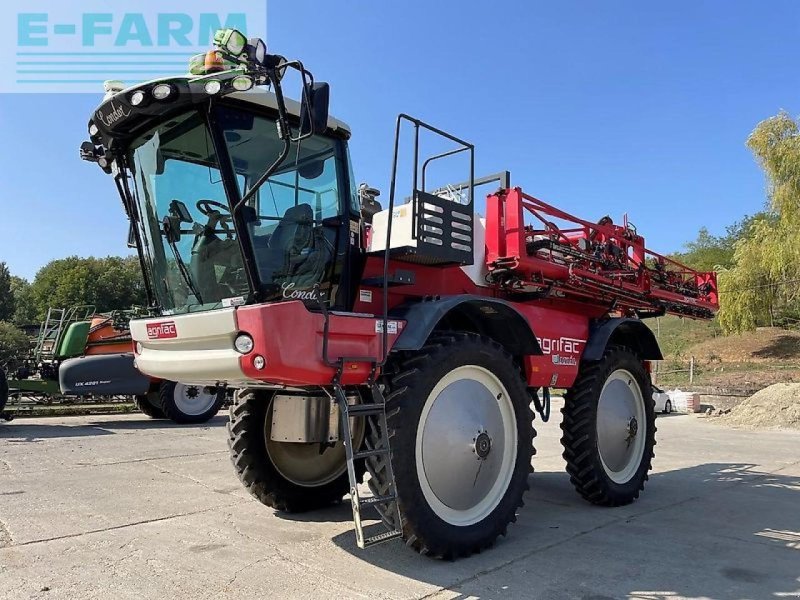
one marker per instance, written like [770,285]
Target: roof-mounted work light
[230,41]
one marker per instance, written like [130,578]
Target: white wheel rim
[621,426]
[463,477]
[193,400]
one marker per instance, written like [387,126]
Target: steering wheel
[206,207]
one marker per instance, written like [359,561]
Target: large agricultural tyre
[461,433]
[187,404]
[148,404]
[609,428]
[287,476]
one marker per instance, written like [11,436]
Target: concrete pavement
[126,507]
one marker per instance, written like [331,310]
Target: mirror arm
[285,134]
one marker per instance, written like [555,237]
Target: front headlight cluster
[160,92]
[240,83]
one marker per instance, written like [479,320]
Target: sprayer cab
[235,193]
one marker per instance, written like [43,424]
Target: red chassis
[568,277]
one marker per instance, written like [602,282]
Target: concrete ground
[125,507]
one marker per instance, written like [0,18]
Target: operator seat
[295,253]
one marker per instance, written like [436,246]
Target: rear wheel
[461,431]
[186,403]
[287,476]
[148,405]
[668,407]
[609,428]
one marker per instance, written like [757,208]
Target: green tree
[6,294]
[13,343]
[762,284]
[24,307]
[713,253]
[106,283]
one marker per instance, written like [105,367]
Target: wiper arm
[187,278]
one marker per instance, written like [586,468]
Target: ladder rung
[376,500]
[355,410]
[382,537]
[368,453]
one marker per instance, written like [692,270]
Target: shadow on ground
[782,347]
[728,532]
[18,431]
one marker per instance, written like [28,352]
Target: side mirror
[131,237]
[314,108]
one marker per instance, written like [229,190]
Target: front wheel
[286,476]
[609,428]
[186,403]
[461,431]
[668,407]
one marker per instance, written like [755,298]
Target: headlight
[213,86]
[139,347]
[162,91]
[257,50]
[93,131]
[230,40]
[243,343]
[242,83]
[137,97]
[259,362]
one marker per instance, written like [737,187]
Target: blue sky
[598,108]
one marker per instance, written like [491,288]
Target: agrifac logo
[61,46]
[162,330]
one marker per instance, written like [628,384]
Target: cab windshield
[294,218]
[291,222]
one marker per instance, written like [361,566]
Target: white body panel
[402,236]
[177,358]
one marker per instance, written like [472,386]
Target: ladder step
[376,500]
[382,537]
[368,453]
[357,410]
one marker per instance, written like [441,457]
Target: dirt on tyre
[187,404]
[609,428]
[147,404]
[289,477]
[460,427]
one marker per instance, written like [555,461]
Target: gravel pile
[775,406]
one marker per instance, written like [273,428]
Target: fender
[492,317]
[628,332]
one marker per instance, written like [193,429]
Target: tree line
[758,260]
[110,283]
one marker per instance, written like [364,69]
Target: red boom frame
[600,263]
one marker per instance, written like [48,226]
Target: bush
[14,344]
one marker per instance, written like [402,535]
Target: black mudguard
[102,374]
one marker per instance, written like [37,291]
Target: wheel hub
[633,429]
[482,445]
[193,399]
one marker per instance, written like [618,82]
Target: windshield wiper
[187,278]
